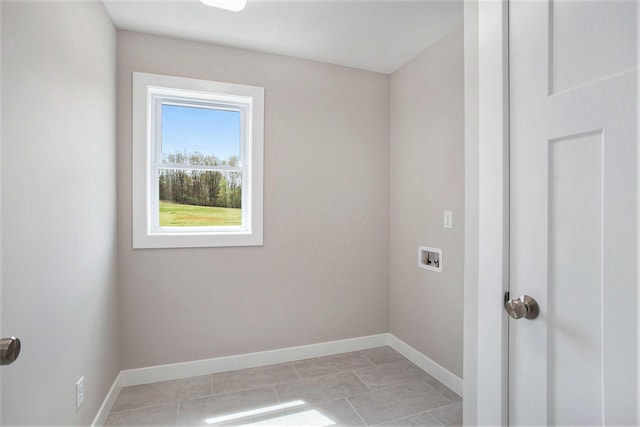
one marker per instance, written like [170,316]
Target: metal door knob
[9,350]
[523,306]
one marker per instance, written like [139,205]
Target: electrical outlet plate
[79,393]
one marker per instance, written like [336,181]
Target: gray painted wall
[58,209]
[323,272]
[427,177]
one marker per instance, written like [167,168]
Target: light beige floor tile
[204,411]
[450,415]
[397,402]
[245,379]
[141,396]
[163,415]
[331,364]
[391,373]
[382,355]
[319,389]
[403,395]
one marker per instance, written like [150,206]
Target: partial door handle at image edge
[9,350]
[523,306]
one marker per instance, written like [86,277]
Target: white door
[574,211]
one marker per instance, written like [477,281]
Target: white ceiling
[375,35]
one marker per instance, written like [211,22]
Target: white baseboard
[176,371]
[105,408]
[222,364]
[434,369]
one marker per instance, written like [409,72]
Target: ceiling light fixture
[232,5]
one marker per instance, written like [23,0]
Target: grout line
[227,393]
[362,381]
[277,395]
[439,407]
[435,418]
[398,385]
[319,376]
[177,413]
[332,399]
[354,410]
[443,406]
[367,357]
[438,391]
[342,371]
[279,411]
[278,383]
[460,399]
[145,407]
[271,383]
[296,369]
[407,416]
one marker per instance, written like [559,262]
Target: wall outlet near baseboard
[79,393]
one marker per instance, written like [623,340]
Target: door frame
[486,31]
[486,212]
[1,330]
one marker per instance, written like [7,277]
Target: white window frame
[150,92]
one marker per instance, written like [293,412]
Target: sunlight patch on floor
[253,412]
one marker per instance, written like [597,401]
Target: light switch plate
[448,219]
[79,393]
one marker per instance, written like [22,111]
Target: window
[197,163]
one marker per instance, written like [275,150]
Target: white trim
[1,126]
[471,227]
[251,360]
[243,105]
[434,369]
[493,235]
[252,99]
[105,408]
[486,212]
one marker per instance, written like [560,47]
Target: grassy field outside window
[180,215]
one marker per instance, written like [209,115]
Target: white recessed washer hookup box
[430,258]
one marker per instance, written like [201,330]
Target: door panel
[575,219]
[584,47]
[573,195]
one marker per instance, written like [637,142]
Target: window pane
[200,136]
[199,198]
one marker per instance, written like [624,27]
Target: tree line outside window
[200,187]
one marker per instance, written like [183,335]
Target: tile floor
[377,386]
